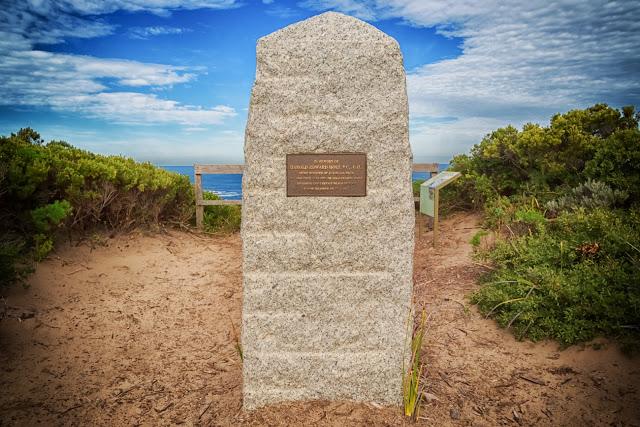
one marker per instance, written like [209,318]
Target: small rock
[429,397]
[27,315]
[454,413]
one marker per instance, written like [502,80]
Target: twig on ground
[205,409]
[532,380]
[125,391]
[483,265]
[71,408]
[457,302]
[444,378]
[164,408]
[504,385]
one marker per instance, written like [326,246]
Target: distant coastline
[229,186]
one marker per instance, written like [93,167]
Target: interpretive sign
[343,174]
[429,188]
[327,216]
[430,196]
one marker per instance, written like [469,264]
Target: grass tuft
[412,390]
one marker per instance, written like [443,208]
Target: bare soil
[141,329]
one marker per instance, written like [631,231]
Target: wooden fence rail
[200,170]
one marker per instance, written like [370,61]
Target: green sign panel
[430,188]
[427,200]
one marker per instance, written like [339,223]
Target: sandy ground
[141,330]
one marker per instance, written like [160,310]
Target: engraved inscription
[331,174]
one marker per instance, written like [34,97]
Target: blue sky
[169,81]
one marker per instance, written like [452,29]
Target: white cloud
[85,84]
[33,77]
[139,108]
[521,61]
[147,32]
[98,7]
[435,141]
[207,146]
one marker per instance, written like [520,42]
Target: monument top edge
[329,26]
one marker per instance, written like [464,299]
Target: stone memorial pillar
[327,216]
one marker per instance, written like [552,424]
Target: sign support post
[430,197]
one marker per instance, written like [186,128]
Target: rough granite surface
[327,280]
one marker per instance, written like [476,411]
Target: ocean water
[229,186]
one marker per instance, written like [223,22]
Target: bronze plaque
[331,174]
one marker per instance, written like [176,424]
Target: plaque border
[366,173]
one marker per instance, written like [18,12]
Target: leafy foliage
[221,218]
[576,278]
[565,200]
[46,189]
[598,143]
[477,238]
[589,195]
[416,187]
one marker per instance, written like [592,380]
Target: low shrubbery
[564,202]
[54,188]
[225,218]
[570,278]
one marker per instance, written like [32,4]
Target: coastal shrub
[47,189]
[564,201]
[221,218]
[599,143]
[589,195]
[577,278]
[45,220]
[416,187]
[477,238]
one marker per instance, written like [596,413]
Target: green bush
[221,218]
[589,195]
[477,238]
[46,189]
[565,200]
[598,143]
[576,278]
[416,187]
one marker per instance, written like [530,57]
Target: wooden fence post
[199,205]
[436,208]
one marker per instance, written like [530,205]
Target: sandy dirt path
[141,330]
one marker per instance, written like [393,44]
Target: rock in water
[327,278]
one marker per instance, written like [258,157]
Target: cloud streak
[144,33]
[140,108]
